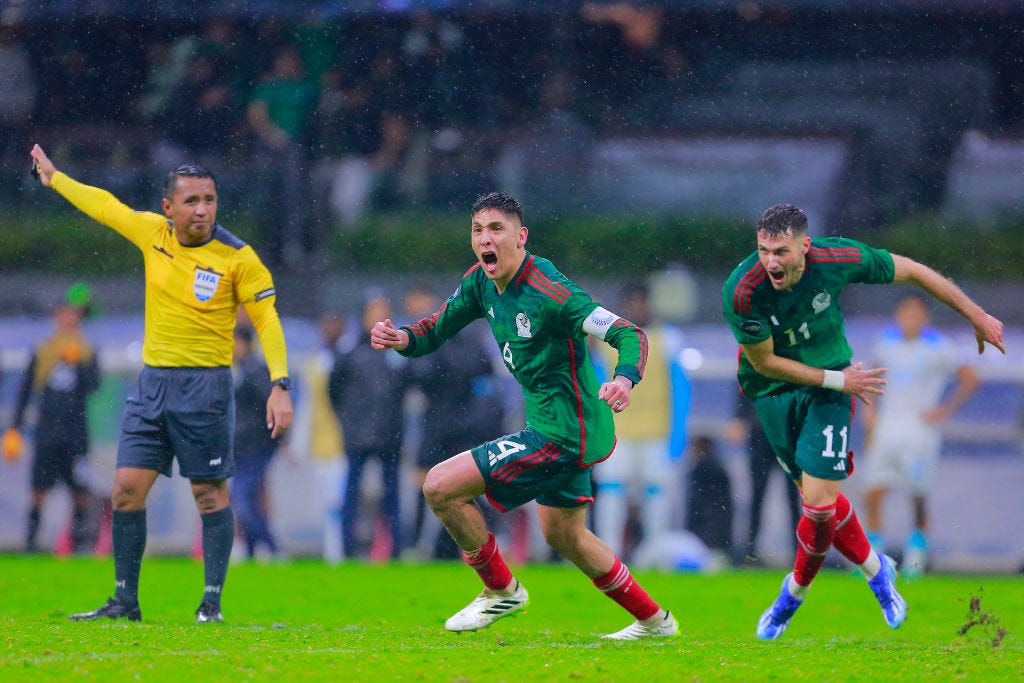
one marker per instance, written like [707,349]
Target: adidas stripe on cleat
[487,608]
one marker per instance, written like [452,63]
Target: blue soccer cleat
[894,607]
[775,620]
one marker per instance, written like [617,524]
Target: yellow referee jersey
[192,292]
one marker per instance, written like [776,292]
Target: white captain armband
[598,322]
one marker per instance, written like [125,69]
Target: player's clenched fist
[384,335]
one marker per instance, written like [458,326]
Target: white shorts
[902,456]
[638,464]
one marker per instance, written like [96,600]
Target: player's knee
[126,498]
[435,490]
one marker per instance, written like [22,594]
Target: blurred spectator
[254,447]
[278,113]
[462,410]
[651,438]
[709,500]
[210,129]
[631,68]
[316,433]
[360,139]
[745,430]
[904,426]
[550,161]
[19,86]
[62,372]
[365,389]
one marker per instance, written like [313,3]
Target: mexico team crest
[820,302]
[523,326]
[204,286]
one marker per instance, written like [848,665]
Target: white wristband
[834,379]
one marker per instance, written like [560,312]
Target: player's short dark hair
[505,203]
[185,171]
[783,218]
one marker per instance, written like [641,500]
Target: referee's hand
[279,412]
[42,166]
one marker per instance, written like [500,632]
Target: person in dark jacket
[462,409]
[62,372]
[254,446]
[366,390]
[709,501]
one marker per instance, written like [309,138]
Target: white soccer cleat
[665,628]
[487,608]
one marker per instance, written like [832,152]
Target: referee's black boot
[208,612]
[114,609]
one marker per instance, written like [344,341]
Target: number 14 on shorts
[505,449]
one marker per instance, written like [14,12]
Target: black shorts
[183,413]
[54,463]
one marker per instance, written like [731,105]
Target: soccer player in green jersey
[540,320]
[182,404]
[782,304]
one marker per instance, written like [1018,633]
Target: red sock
[490,565]
[619,585]
[814,534]
[850,538]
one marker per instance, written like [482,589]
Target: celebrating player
[539,319]
[182,405]
[782,303]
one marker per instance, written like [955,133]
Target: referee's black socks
[129,537]
[218,537]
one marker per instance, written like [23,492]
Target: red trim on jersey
[615,442]
[471,269]
[522,272]
[745,288]
[834,254]
[579,400]
[543,283]
[507,473]
[420,329]
[641,363]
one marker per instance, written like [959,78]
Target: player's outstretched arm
[43,166]
[986,327]
[853,380]
[384,335]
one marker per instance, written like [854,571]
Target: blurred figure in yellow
[61,374]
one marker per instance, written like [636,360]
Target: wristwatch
[283,382]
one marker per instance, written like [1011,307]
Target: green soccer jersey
[806,324]
[540,323]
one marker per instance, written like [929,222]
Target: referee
[182,405]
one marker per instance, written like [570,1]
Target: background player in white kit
[904,427]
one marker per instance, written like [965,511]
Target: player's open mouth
[777,275]
[489,259]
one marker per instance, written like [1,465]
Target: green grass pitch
[361,622]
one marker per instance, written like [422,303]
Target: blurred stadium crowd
[358,107]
